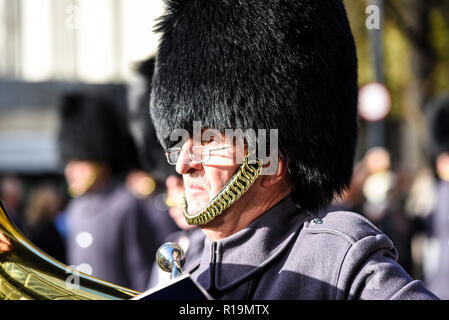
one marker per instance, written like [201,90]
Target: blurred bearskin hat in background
[439,125]
[286,65]
[93,128]
[151,154]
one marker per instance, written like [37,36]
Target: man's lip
[196,188]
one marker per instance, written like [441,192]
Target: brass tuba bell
[27,273]
[169,258]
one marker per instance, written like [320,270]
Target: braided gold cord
[231,192]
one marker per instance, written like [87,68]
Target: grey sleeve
[138,247]
[370,272]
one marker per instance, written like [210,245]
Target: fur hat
[439,125]
[92,129]
[289,65]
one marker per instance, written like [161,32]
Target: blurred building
[90,41]
[48,47]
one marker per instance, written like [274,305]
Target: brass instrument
[27,273]
[169,258]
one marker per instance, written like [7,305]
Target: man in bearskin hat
[109,233]
[438,282]
[289,68]
[150,152]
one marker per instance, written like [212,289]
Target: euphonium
[27,273]
[169,258]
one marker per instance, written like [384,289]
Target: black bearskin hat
[289,65]
[439,125]
[92,129]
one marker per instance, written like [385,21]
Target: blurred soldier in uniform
[109,234]
[439,218]
[190,237]
[168,216]
[289,66]
[43,211]
[11,193]
[151,153]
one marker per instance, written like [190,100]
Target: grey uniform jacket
[110,234]
[286,254]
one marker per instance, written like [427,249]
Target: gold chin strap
[230,193]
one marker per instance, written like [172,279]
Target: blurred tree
[424,26]
[416,67]
[413,19]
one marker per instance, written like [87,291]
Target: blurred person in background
[164,203]
[45,206]
[385,191]
[437,275]
[419,205]
[190,238]
[352,199]
[109,233]
[148,183]
[12,196]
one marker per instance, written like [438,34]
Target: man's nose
[186,164]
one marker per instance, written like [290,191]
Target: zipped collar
[230,261]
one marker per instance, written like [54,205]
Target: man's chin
[194,207]
[196,201]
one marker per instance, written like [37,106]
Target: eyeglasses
[198,154]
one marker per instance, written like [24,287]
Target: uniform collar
[243,254]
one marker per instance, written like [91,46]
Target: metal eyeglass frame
[191,154]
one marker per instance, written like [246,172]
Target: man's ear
[281,173]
